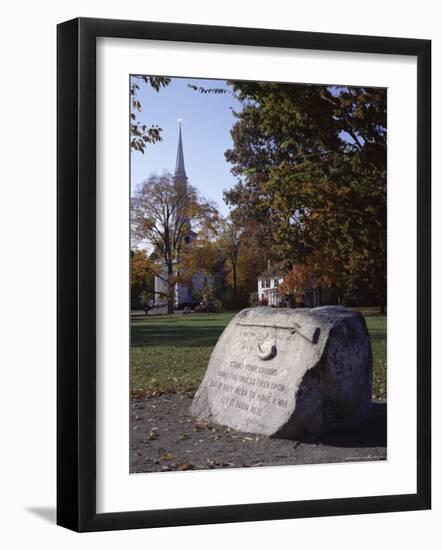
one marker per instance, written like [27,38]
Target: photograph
[258,273]
[232,253]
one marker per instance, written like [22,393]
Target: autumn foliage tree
[253,255]
[230,242]
[311,167]
[165,216]
[294,284]
[315,271]
[141,277]
[231,255]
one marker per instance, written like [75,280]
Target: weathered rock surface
[289,372]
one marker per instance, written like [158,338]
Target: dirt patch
[165,437]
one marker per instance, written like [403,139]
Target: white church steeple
[180,171]
[183,293]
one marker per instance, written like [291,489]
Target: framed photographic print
[243,274]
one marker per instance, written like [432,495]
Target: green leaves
[140,135]
[202,90]
[311,163]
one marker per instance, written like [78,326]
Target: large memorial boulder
[289,373]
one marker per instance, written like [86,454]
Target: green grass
[377,327]
[170,354]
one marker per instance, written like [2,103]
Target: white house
[270,280]
[268,283]
[185,295]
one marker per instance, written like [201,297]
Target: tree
[162,212]
[315,271]
[140,134]
[230,240]
[141,277]
[253,257]
[294,283]
[311,168]
[204,254]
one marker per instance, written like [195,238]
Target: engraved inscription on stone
[286,372]
[245,384]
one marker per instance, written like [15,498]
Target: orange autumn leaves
[315,271]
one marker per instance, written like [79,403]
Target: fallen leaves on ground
[167,456]
[153,434]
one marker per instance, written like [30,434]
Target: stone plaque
[289,372]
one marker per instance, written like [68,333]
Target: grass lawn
[377,327]
[171,353]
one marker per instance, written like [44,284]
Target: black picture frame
[76,274]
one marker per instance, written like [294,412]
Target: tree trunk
[170,288]
[235,288]
[340,296]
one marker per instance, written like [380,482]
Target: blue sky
[206,123]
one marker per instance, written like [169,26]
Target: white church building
[185,295]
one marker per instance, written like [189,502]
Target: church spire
[180,171]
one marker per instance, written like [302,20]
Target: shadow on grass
[175,335]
